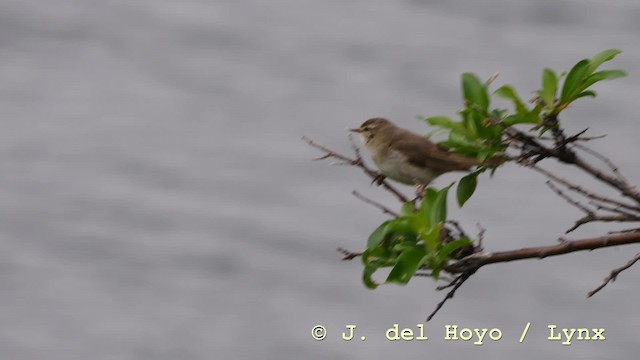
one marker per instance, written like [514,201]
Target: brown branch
[591,217]
[384,209]
[376,176]
[613,275]
[579,189]
[569,199]
[348,255]
[567,155]
[472,263]
[567,246]
[626,189]
[457,226]
[455,283]
[614,168]
[623,231]
[577,137]
[616,210]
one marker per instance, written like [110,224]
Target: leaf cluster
[480,132]
[412,241]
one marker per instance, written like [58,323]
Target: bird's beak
[355,130]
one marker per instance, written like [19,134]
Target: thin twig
[359,163]
[481,232]
[457,226]
[624,187]
[577,137]
[614,168]
[616,210]
[348,255]
[579,189]
[456,283]
[590,216]
[601,218]
[613,275]
[623,231]
[478,260]
[570,200]
[567,155]
[384,209]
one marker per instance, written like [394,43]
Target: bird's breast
[395,165]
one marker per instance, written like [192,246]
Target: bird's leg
[378,179]
[420,191]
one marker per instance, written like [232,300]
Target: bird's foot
[378,180]
[420,191]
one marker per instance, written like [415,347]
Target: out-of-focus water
[156,201]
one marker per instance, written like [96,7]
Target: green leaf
[435,274]
[408,263]
[378,235]
[469,123]
[486,152]
[407,209]
[461,143]
[402,226]
[474,91]
[549,86]
[379,253]
[574,81]
[427,202]
[603,75]
[445,122]
[509,93]
[451,247]
[514,119]
[466,187]
[600,58]
[439,209]
[431,238]
[368,271]
[586,93]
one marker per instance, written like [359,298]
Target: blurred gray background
[156,201]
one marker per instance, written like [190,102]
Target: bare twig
[348,255]
[456,283]
[359,163]
[617,209]
[570,200]
[481,232]
[478,260]
[578,137]
[581,190]
[601,218]
[384,209]
[591,215]
[613,180]
[614,274]
[614,168]
[623,231]
[457,226]
[567,155]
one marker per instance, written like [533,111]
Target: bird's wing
[420,151]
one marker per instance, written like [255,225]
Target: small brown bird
[407,157]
